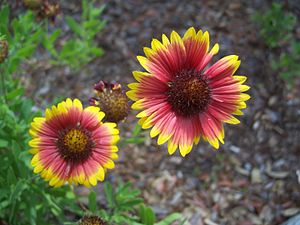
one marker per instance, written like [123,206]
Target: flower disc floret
[91,220]
[188,93]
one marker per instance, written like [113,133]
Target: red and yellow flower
[71,144]
[181,100]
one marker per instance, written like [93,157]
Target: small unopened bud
[3,49]
[115,86]
[49,10]
[111,100]
[94,101]
[92,220]
[100,86]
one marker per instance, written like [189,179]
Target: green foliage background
[24,198]
[276,29]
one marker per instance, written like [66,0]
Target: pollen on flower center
[75,140]
[74,144]
[188,93]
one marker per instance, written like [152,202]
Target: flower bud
[49,10]
[3,49]
[111,100]
[91,220]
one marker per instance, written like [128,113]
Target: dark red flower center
[75,144]
[188,93]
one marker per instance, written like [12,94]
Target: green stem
[82,206]
[3,87]
[12,212]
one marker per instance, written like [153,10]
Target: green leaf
[103,214]
[70,195]
[137,130]
[3,143]
[170,219]
[55,209]
[131,203]
[135,140]
[75,26]
[96,12]
[122,219]
[11,177]
[4,204]
[97,51]
[85,10]
[26,51]
[4,16]
[26,107]
[14,93]
[90,24]
[53,37]
[4,193]
[69,48]
[109,194]
[17,190]
[147,215]
[32,215]
[92,201]
[275,25]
